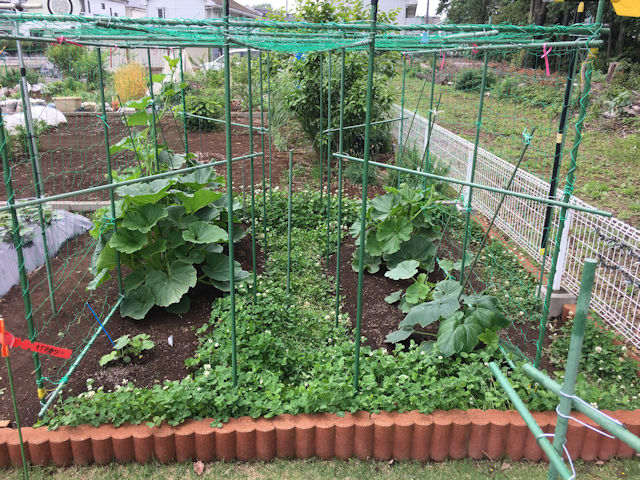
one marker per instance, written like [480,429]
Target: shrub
[130,81]
[206,102]
[11,76]
[470,80]
[74,61]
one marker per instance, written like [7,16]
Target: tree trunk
[620,41]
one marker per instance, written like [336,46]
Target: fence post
[468,177]
[564,251]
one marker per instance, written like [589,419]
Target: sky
[422,5]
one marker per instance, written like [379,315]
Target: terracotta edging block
[385,435]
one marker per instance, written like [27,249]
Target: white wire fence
[616,245]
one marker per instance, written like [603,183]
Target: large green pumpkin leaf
[447,288]
[398,335]
[159,245]
[381,206]
[429,312]
[203,232]
[101,277]
[483,316]
[403,270]
[217,267]
[106,259]
[144,193]
[201,198]
[168,288]
[417,292]
[371,264]
[172,160]
[144,218]
[393,297]
[197,178]
[137,303]
[418,247]
[392,232]
[128,241]
[183,306]
[372,246]
[458,334]
[134,279]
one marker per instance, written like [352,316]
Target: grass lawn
[608,174]
[320,470]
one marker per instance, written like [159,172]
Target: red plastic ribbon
[544,55]
[62,40]
[8,340]
[474,50]
[442,62]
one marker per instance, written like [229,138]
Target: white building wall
[177,8]
[105,7]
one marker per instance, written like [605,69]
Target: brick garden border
[454,434]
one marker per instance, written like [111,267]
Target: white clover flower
[327,317]
[619,377]
[439,357]
[521,313]
[594,404]
[621,359]
[207,366]
[598,349]
[624,348]
[216,345]
[207,373]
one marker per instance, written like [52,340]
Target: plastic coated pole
[184,104]
[573,359]
[431,116]
[254,256]
[154,133]
[329,156]
[568,190]
[465,242]
[112,200]
[227,115]
[36,170]
[219,120]
[269,119]
[365,179]
[25,466]
[265,242]
[289,222]
[535,429]
[17,243]
[340,150]
[399,153]
[320,157]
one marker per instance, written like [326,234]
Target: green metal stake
[431,116]
[399,153]
[227,116]
[340,150]
[17,243]
[154,133]
[36,171]
[329,164]
[112,199]
[264,182]
[254,256]
[25,467]
[568,191]
[573,359]
[269,119]
[184,105]
[321,57]
[473,165]
[289,222]
[365,178]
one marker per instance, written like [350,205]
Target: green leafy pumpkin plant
[126,348]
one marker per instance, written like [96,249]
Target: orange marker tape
[9,341]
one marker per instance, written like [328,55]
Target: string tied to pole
[545,55]
[527,137]
[62,40]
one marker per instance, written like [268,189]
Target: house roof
[141,4]
[238,7]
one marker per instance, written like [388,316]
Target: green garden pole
[365,178]
[17,243]
[254,257]
[340,150]
[321,57]
[154,133]
[269,119]
[473,165]
[289,222]
[36,171]
[431,116]
[227,117]
[568,191]
[329,162]
[112,199]
[25,467]
[573,359]
[184,105]
[399,153]
[264,181]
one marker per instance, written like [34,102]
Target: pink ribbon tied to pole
[442,62]
[545,55]
[62,40]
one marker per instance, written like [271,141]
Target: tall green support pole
[465,242]
[399,153]
[184,105]
[320,157]
[36,171]
[365,178]
[289,222]
[227,118]
[329,163]
[112,200]
[340,150]
[25,467]
[269,119]
[568,191]
[254,256]
[17,243]
[431,117]
[154,133]
[264,181]
[573,360]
